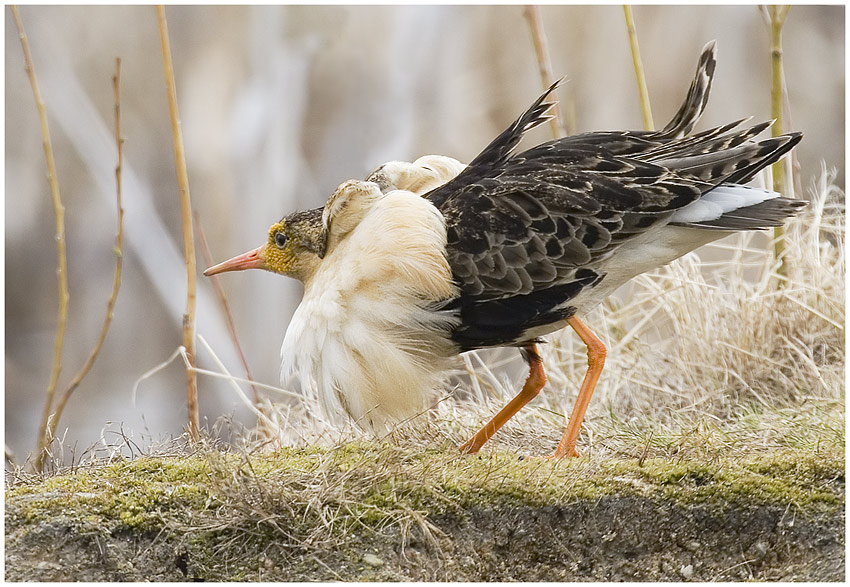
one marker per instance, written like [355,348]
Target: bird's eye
[280,239]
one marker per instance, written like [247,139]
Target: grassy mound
[369,511]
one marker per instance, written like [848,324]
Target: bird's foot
[470,446]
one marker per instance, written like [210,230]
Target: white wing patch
[724,198]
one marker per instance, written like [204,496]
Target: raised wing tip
[556,83]
[542,110]
[547,100]
[794,137]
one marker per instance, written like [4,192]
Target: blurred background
[279,105]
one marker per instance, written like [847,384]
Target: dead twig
[188,233]
[119,261]
[62,260]
[231,325]
[541,49]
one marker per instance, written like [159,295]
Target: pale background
[278,106]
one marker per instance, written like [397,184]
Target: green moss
[803,479]
[129,493]
[373,485]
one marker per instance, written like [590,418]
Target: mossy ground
[381,511]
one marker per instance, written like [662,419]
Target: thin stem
[188,234]
[645,110]
[541,49]
[62,260]
[119,261]
[777,16]
[231,324]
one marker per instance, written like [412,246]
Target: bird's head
[297,244]
[294,248]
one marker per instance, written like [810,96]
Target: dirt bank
[381,513]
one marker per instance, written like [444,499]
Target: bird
[423,261]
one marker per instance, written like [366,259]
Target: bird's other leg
[595,362]
[535,382]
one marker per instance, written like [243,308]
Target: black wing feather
[498,152]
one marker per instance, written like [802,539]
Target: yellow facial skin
[277,253]
[292,249]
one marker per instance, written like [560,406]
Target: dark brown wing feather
[498,153]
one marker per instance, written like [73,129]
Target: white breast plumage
[357,339]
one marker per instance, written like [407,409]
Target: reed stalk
[541,50]
[43,441]
[222,296]
[645,109]
[188,233]
[777,16]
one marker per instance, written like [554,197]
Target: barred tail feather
[694,105]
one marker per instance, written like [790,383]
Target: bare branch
[231,325]
[541,49]
[119,258]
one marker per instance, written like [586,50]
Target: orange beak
[249,260]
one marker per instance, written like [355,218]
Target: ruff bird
[426,260]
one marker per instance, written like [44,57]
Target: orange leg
[535,382]
[595,361]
